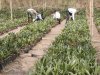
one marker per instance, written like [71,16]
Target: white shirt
[73,11]
[39,16]
[56,15]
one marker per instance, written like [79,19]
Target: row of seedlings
[71,53]
[19,16]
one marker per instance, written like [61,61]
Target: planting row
[71,53]
[17,13]
[12,45]
[20,13]
[19,20]
[6,24]
[9,25]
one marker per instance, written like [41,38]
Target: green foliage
[19,16]
[4,14]
[71,53]
[97,18]
[8,24]
[17,13]
[13,43]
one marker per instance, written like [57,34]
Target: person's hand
[33,20]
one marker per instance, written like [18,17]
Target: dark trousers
[59,21]
[68,16]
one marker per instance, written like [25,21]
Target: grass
[71,53]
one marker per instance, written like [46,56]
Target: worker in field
[38,17]
[33,15]
[71,14]
[57,16]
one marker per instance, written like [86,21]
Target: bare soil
[15,30]
[12,31]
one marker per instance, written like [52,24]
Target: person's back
[57,16]
[31,13]
[71,13]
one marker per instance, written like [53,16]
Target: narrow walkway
[25,62]
[14,31]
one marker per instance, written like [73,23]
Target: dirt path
[95,35]
[25,62]
[14,31]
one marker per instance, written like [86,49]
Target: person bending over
[71,14]
[38,17]
[57,16]
[33,13]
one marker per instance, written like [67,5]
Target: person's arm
[35,18]
[34,12]
[53,16]
[73,16]
[59,15]
[40,16]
